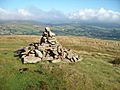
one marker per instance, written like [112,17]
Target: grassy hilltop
[94,72]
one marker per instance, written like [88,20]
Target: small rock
[21,70]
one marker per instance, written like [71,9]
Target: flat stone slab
[31,59]
[56,61]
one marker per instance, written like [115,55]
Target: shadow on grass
[115,61]
[41,85]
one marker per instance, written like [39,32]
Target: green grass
[94,72]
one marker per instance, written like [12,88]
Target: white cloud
[3,10]
[23,12]
[101,15]
[94,15]
[20,14]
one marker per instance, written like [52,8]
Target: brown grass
[74,42]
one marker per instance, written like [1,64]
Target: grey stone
[55,52]
[31,59]
[47,29]
[38,53]
[69,56]
[74,59]
[65,54]
[59,49]
[45,34]
[51,34]
[56,61]
[32,55]
[48,58]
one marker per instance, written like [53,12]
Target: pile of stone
[47,49]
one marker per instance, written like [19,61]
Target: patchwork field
[95,72]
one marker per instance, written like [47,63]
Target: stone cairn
[47,49]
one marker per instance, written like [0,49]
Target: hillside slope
[94,72]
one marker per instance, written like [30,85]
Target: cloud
[19,14]
[92,15]
[24,12]
[31,14]
[97,15]
[52,14]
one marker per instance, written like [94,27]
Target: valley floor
[94,72]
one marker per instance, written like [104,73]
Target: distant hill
[94,30]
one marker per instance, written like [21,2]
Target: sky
[76,10]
